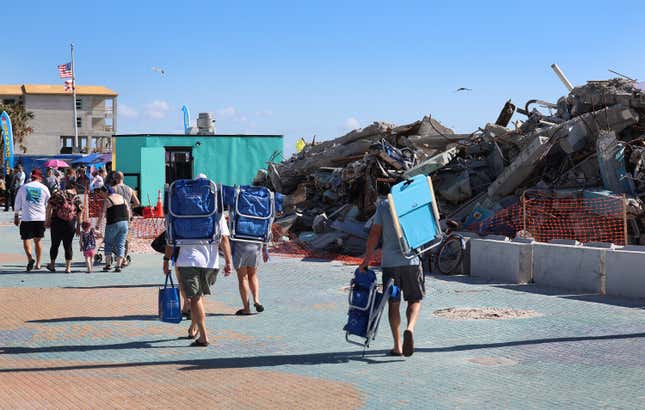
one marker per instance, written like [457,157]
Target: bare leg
[243,285]
[26,245]
[39,251]
[394,317]
[198,317]
[88,263]
[108,260]
[68,265]
[119,260]
[254,283]
[412,314]
[186,307]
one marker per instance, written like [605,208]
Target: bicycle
[452,250]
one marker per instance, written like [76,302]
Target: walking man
[407,275]
[8,192]
[198,266]
[17,181]
[30,214]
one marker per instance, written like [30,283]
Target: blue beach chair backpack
[193,212]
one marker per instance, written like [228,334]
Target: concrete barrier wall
[573,267]
[501,260]
[598,268]
[625,269]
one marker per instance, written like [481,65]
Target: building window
[79,122]
[67,141]
[8,101]
[82,143]
[79,104]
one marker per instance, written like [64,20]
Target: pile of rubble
[593,139]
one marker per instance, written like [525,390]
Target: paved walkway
[79,341]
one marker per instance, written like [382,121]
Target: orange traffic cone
[159,208]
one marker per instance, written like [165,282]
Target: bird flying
[159,70]
[463,89]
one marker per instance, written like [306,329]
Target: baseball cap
[35,173]
[201,176]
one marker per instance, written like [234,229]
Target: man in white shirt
[30,213]
[198,267]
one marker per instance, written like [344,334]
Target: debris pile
[589,142]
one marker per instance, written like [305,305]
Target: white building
[53,122]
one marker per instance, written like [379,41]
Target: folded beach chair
[366,304]
[251,212]
[415,215]
[193,212]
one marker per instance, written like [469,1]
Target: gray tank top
[125,192]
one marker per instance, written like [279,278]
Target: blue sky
[303,68]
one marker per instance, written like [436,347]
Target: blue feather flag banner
[7,139]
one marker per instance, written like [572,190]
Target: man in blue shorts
[407,275]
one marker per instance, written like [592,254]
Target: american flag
[65,70]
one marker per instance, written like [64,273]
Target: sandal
[117,269]
[258,307]
[408,343]
[242,312]
[107,268]
[197,343]
[51,267]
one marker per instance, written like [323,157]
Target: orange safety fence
[543,218]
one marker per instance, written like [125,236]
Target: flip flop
[197,343]
[30,265]
[241,312]
[258,307]
[408,344]
[393,353]
[106,269]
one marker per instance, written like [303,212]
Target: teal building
[149,161]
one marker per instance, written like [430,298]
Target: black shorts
[409,279]
[32,229]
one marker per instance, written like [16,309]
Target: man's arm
[370,246]
[134,199]
[17,207]
[166,259]
[225,245]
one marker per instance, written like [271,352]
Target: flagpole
[74,96]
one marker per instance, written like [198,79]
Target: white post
[74,96]
[562,77]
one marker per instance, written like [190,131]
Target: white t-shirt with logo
[202,256]
[31,200]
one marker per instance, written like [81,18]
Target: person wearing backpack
[63,218]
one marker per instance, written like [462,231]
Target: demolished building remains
[590,143]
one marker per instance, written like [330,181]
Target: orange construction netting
[545,218]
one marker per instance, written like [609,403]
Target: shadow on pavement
[540,290]
[112,318]
[144,285]
[275,360]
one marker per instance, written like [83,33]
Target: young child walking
[88,244]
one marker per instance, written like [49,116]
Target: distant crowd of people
[54,202]
[79,179]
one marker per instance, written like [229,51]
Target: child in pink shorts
[88,244]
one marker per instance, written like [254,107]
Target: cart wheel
[98,258]
[451,254]
[128,258]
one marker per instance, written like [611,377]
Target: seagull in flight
[159,70]
[463,89]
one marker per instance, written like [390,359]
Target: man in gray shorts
[198,266]
[407,275]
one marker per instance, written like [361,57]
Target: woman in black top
[117,215]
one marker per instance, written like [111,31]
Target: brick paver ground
[93,341]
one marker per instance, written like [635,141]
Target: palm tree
[19,123]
